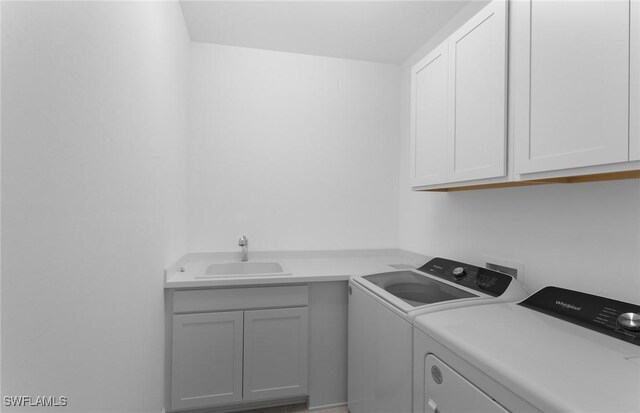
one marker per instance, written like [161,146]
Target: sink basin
[249,269]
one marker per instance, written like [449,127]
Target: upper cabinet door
[478,96]
[429,79]
[576,92]
[634,121]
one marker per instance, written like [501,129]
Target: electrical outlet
[512,268]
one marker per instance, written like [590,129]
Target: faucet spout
[244,243]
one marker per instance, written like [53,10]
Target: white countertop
[304,266]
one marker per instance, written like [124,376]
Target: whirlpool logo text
[568,306]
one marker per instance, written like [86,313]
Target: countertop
[304,266]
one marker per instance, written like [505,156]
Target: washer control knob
[630,321]
[459,272]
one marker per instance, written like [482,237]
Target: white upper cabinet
[478,96]
[573,104]
[429,79]
[458,107]
[634,121]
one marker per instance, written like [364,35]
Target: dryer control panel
[477,278]
[611,317]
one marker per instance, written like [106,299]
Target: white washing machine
[381,310]
[557,351]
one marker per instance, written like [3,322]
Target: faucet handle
[243,241]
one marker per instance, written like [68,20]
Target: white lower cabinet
[275,353]
[206,359]
[233,357]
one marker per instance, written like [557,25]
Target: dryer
[558,350]
[381,310]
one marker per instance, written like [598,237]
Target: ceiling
[377,31]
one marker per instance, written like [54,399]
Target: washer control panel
[611,317]
[477,278]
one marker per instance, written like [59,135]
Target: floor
[297,408]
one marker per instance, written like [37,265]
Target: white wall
[93,129]
[580,236]
[298,152]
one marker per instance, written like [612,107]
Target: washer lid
[551,363]
[416,289]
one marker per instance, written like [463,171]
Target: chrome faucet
[244,243]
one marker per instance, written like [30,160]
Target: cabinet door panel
[477,102]
[429,119]
[275,353]
[634,121]
[578,85]
[206,359]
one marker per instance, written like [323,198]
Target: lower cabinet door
[275,353]
[206,359]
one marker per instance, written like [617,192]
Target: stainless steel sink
[247,269]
